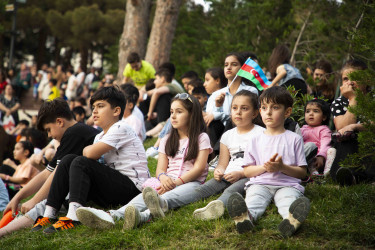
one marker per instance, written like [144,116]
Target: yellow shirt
[141,76]
[55,92]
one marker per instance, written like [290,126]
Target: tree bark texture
[135,32]
[162,32]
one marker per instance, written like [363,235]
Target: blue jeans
[258,197]
[213,187]
[4,198]
[177,197]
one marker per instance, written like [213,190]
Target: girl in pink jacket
[316,134]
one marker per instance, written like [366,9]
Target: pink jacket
[320,135]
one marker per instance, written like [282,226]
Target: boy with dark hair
[110,172]
[132,115]
[187,77]
[193,84]
[275,163]
[201,95]
[57,120]
[137,70]
[79,114]
[161,100]
[55,92]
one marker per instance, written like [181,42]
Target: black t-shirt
[74,140]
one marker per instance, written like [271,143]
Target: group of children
[256,165]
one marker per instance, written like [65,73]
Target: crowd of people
[257,153]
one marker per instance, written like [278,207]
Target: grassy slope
[339,218]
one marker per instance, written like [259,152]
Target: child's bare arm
[154,98]
[254,170]
[222,165]
[17,180]
[96,150]
[166,182]
[197,170]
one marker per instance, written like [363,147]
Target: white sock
[73,206]
[50,212]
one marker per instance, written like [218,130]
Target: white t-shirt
[135,124]
[236,144]
[138,113]
[176,166]
[128,155]
[44,88]
[71,90]
[80,78]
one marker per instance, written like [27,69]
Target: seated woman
[347,124]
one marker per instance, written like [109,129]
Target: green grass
[339,218]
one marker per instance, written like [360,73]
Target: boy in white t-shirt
[275,163]
[131,115]
[110,172]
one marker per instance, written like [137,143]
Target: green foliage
[363,43]
[299,104]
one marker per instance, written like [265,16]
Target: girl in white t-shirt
[228,174]
[182,167]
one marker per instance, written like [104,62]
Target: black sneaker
[298,212]
[238,211]
[63,223]
[345,177]
[42,222]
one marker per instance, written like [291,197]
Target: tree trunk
[292,58]
[84,51]
[162,33]
[135,32]
[41,47]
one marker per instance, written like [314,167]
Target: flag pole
[230,84]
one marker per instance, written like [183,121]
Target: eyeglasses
[183,96]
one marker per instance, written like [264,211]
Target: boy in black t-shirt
[58,121]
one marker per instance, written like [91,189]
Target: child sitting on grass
[110,172]
[182,167]
[228,174]
[131,117]
[275,163]
[317,135]
[24,172]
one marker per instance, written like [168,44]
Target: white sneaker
[213,163]
[132,217]
[213,210]
[151,152]
[153,202]
[95,218]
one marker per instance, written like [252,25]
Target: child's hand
[208,118]
[167,183]
[234,176]
[151,116]
[218,174]
[275,164]
[8,162]
[219,100]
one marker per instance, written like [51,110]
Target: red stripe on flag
[249,69]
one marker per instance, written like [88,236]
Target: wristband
[161,175]
[181,180]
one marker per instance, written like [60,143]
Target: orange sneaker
[42,222]
[62,224]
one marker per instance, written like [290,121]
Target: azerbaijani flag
[252,71]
